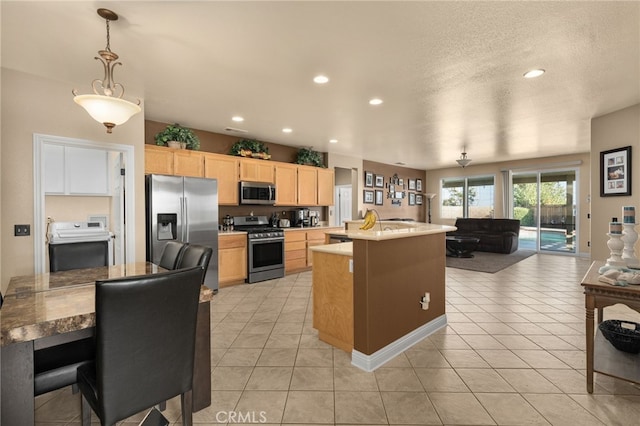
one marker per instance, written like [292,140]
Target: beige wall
[495,169]
[35,105]
[615,130]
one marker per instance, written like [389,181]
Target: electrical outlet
[21,230]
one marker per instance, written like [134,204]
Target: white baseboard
[380,357]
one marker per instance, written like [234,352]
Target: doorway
[544,201]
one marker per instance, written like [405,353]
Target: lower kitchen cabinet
[296,247]
[232,258]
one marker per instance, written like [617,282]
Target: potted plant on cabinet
[176,136]
[250,148]
[309,157]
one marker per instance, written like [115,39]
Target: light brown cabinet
[256,170]
[158,160]
[225,169]
[295,251]
[286,182]
[232,258]
[307,186]
[188,163]
[296,247]
[326,187]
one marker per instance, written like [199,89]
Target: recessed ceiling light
[321,79]
[533,73]
[287,130]
[375,101]
[333,140]
[237,118]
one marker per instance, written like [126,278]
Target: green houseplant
[177,133]
[250,148]
[310,157]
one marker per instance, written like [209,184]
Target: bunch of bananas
[369,220]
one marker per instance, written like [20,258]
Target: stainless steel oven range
[265,260]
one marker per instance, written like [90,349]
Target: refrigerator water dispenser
[167,225]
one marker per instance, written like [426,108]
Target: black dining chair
[172,254]
[145,345]
[196,255]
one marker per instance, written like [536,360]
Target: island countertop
[343,249]
[414,230]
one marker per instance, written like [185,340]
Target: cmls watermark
[241,417]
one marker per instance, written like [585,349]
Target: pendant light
[463,161]
[106,105]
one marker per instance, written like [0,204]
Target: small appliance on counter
[284,223]
[314,218]
[300,217]
[227,223]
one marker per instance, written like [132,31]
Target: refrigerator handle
[186,221]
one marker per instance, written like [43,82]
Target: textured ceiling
[450,73]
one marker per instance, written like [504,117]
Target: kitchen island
[367,293]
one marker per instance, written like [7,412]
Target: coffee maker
[301,217]
[314,218]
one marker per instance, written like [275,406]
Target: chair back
[196,255]
[171,254]
[145,340]
[90,254]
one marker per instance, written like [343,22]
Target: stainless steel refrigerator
[182,209]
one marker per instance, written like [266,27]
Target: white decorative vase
[629,237]
[174,144]
[615,245]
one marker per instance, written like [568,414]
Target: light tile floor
[512,354]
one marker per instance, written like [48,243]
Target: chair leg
[85,412]
[74,388]
[162,406]
[186,402]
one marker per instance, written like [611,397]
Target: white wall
[615,130]
[35,105]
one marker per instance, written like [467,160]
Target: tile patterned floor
[512,354]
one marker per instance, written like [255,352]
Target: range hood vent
[235,130]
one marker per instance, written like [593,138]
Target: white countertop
[343,249]
[375,234]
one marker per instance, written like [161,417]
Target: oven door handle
[266,240]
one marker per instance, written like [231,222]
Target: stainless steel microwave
[257,193]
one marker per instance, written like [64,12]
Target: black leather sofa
[496,235]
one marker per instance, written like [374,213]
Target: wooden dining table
[50,309]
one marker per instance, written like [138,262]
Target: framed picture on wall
[412,184]
[419,199]
[368,179]
[368,197]
[615,172]
[379,197]
[412,198]
[418,184]
[379,181]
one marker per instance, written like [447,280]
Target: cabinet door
[326,187]
[53,156]
[295,251]
[224,168]
[286,184]
[307,186]
[158,160]
[87,171]
[256,170]
[188,163]
[232,258]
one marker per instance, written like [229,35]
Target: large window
[467,197]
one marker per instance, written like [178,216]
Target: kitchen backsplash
[282,211]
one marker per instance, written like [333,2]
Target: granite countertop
[223,233]
[343,249]
[312,228]
[43,305]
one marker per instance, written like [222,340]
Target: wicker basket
[622,338]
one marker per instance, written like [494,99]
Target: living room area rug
[488,262]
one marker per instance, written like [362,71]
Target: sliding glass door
[544,201]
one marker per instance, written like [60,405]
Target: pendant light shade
[463,161]
[106,105]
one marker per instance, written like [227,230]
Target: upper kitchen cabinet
[188,163]
[286,184]
[326,187]
[225,169]
[256,170]
[158,160]
[307,186]
[75,171]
